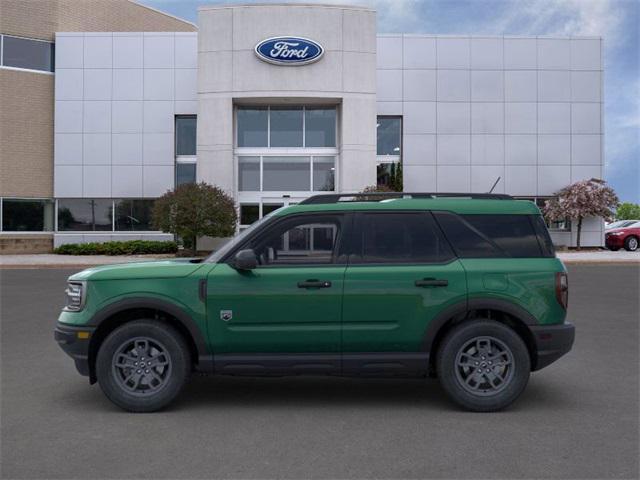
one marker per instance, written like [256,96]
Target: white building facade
[521,115]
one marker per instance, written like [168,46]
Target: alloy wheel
[484,366]
[141,366]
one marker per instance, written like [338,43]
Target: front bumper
[552,342]
[614,241]
[75,343]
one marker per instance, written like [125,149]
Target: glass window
[546,244]
[286,127]
[402,238]
[83,214]
[467,241]
[324,174]
[389,132]
[249,174]
[267,208]
[133,215]
[186,135]
[512,233]
[252,126]
[26,215]
[320,127]
[185,173]
[249,213]
[300,241]
[26,53]
[286,173]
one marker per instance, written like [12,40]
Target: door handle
[314,284]
[431,282]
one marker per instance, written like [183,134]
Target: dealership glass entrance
[283,155]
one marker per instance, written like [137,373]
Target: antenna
[494,185]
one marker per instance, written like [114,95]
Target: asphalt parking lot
[577,419]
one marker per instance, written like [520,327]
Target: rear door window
[400,238]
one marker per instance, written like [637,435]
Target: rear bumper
[75,345]
[552,342]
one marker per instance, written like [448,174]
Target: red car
[627,237]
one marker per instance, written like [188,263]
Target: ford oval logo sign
[289,51]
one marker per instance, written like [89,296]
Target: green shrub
[131,247]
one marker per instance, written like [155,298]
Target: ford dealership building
[274,103]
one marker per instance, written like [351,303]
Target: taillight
[562,289]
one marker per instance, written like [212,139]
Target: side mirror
[245,260]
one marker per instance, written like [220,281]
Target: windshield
[216,255]
[621,224]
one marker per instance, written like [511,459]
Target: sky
[617,21]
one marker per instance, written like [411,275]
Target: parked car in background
[627,237]
[620,224]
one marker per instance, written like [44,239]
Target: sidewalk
[83,261]
[600,256]
[72,261]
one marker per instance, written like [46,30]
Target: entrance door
[403,273]
[290,304]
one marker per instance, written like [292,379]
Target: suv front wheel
[483,365]
[143,365]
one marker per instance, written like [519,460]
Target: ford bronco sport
[463,287]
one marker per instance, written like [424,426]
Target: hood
[140,270]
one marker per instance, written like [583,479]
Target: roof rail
[378,196]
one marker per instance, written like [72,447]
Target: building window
[26,53]
[85,215]
[253,127]
[27,215]
[249,213]
[249,174]
[185,173]
[389,136]
[286,127]
[133,215]
[284,173]
[389,152]
[186,160]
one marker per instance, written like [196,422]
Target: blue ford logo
[289,50]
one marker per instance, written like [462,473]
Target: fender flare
[172,309]
[462,309]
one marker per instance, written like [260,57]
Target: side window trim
[355,258]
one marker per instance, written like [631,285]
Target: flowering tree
[587,198]
[195,210]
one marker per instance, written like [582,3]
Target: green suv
[463,287]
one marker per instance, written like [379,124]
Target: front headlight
[75,293]
[616,233]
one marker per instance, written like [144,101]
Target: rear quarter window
[491,236]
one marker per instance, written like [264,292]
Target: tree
[195,210]
[628,211]
[587,198]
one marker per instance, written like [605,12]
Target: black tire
[631,243]
[161,384]
[461,345]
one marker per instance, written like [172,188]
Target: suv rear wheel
[483,365]
[143,365]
